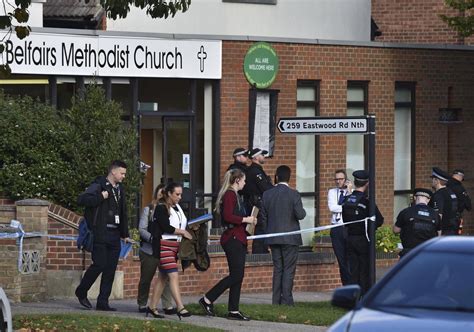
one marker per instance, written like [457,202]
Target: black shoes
[170,311]
[237,316]
[141,309]
[104,307]
[183,313]
[154,312]
[208,308]
[83,301]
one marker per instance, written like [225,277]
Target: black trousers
[235,252]
[358,253]
[339,245]
[284,257]
[105,256]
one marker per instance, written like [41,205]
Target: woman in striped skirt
[167,228]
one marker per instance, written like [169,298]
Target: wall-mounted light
[449,115]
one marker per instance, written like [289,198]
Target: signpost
[322,125]
[364,125]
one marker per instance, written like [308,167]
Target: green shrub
[32,138]
[386,240]
[54,155]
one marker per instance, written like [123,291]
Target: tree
[16,16]
[54,155]
[463,23]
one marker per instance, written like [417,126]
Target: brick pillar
[33,215]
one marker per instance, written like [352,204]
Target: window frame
[316,84]
[360,104]
[412,106]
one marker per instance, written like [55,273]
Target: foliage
[79,323]
[309,313]
[96,136]
[32,139]
[55,155]
[15,20]
[386,240]
[154,8]
[463,23]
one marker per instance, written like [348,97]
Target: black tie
[341,197]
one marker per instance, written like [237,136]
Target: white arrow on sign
[323,125]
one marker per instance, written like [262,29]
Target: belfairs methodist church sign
[261,65]
[113,56]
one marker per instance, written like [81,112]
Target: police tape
[21,234]
[308,230]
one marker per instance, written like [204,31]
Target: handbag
[85,240]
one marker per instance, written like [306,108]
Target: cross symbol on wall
[202,56]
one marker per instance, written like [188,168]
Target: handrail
[62,220]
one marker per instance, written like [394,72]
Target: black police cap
[361,175]
[422,192]
[255,152]
[239,152]
[458,171]
[439,174]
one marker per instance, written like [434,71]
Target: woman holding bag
[168,226]
[234,241]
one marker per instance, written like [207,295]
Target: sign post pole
[371,133]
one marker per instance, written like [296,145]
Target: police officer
[356,207]
[241,160]
[444,202]
[257,183]
[417,223]
[464,201]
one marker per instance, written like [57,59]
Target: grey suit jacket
[282,209]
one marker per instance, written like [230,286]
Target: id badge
[117,219]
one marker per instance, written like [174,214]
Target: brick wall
[31,284]
[432,70]
[415,21]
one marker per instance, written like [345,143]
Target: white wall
[312,19]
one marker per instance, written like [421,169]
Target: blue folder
[125,248]
[200,220]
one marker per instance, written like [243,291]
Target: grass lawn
[86,323]
[310,313]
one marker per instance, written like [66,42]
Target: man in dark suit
[282,209]
[106,215]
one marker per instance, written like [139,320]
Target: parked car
[430,289]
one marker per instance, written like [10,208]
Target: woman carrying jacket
[234,241]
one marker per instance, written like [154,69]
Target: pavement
[128,308]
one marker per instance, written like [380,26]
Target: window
[307,153]
[357,105]
[404,137]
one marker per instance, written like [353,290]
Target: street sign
[324,125]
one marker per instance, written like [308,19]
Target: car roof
[451,244]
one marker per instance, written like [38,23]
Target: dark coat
[282,209]
[104,209]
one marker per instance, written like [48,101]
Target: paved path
[128,308]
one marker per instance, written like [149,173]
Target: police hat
[439,174]
[255,152]
[422,192]
[458,172]
[239,152]
[361,175]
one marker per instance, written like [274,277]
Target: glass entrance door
[178,159]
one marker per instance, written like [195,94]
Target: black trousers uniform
[105,256]
[235,252]
[356,207]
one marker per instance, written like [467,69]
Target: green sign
[261,65]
